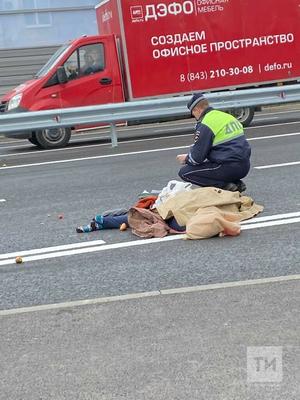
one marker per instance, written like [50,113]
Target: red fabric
[146,202]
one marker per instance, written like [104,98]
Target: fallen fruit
[123,227]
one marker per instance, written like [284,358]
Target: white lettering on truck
[180,51]
[210,6]
[177,44]
[155,11]
[252,42]
[177,38]
[210,2]
[107,15]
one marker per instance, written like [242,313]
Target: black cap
[195,100]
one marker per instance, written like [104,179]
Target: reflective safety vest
[225,127]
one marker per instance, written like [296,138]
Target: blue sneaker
[95,225]
[84,229]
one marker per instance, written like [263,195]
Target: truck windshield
[52,61]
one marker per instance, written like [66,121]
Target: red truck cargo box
[174,47]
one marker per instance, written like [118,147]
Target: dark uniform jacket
[235,149]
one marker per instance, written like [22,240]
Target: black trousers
[214,174]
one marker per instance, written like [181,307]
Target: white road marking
[139,242]
[271,218]
[12,147]
[265,114]
[278,165]
[263,119]
[92,136]
[271,223]
[122,154]
[155,293]
[234,284]
[93,249]
[93,157]
[38,152]
[87,133]
[274,136]
[2,200]
[90,131]
[53,248]
[271,125]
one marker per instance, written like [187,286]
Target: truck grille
[3,106]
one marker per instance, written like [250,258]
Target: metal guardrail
[142,110]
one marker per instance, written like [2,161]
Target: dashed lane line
[52,249]
[92,249]
[273,221]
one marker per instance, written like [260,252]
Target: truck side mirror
[61,75]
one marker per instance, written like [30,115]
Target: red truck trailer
[149,49]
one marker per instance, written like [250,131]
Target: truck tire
[33,140]
[51,138]
[243,114]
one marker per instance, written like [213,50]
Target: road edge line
[156,293]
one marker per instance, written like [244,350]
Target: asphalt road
[190,344]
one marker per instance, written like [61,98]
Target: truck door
[91,79]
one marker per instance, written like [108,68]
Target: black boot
[231,187]
[241,186]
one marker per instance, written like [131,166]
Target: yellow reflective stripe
[227,140]
[224,126]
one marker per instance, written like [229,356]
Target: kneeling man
[220,155]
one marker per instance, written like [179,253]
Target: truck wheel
[33,140]
[52,138]
[243,114]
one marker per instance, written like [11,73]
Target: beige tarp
[209,211]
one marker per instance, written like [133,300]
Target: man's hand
[181,158]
